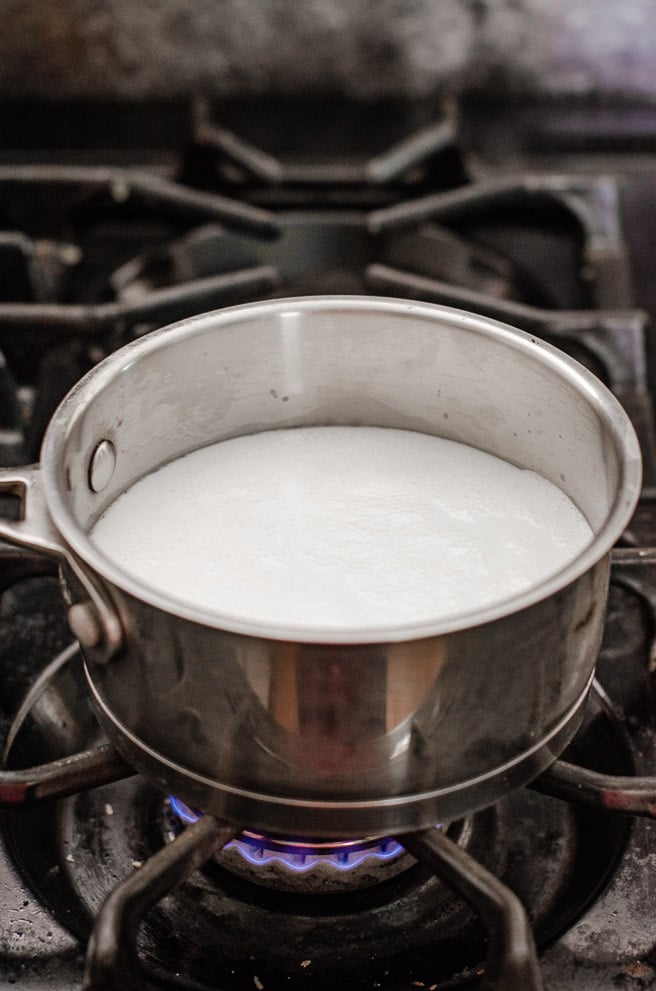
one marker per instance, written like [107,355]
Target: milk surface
[330,527]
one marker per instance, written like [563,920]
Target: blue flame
[183,811]
[259,851]
[299,860]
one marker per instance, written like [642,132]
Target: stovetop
[115,220]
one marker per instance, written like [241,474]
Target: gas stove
[115,220]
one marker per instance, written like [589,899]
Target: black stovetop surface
[97,246]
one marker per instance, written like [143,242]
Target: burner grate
[164,869]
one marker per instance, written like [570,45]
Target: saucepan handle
[34,527]
[93,620]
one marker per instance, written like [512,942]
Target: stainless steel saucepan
[360,731]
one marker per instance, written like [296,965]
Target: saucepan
[354,732]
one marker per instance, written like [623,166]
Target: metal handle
[94,621]
[34,528]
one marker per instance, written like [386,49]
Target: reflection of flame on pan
[299,855]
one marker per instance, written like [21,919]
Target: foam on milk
[329,527]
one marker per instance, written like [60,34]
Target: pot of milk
[338,565]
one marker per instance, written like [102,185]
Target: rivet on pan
[102,465]
[84,624]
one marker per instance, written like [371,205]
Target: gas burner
[558,858]
[136,249]
[317,866]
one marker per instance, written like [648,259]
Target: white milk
[330,527]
